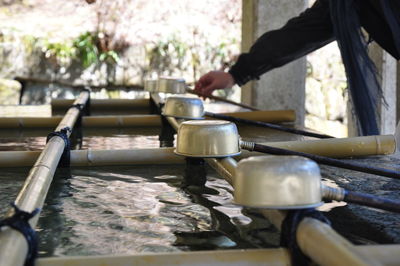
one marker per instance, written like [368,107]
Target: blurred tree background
[183,38]
[123,42]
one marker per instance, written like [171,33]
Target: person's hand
[214,80]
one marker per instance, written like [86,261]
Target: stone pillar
[398,93]
[282,88]
[388,119]
[386,66]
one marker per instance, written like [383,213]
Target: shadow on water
[52,223]
[108,210]
[225,233]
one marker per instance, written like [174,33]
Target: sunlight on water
[112,210]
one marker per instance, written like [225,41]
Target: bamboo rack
[135,120]
[337,148]
[316,239]
[97,157]
[385,255]
[373,145]
[253,257]
[101,104]
[13,246]
[87,121]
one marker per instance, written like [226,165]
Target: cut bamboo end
[339,148]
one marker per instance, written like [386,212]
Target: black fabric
[65,160]
[289,230]
[316,27]
[363,85]
[391,11]
[20,222]
[309,31]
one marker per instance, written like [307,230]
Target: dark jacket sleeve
[301,35]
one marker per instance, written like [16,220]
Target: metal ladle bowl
[171,85]
[278,182]
[184,107]
[207,138]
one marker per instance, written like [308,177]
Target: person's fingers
[212,81]
[197,86]
[204,82]
[207,78]
[210,88]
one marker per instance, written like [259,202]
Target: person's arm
[301,35]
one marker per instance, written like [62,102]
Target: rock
[333,128]
[9,91]
[315,100]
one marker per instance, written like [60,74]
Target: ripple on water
[134,209]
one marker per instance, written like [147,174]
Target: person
[322,23]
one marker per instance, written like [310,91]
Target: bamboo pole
[13,246]
[125,157]
[87,121]
[122,121]
[274,116]
[173,122]
[101,104]
[388,255]
[29,122]
[320,242]
[337,148]
[224,167]
[97,157]
[268,125]
[134,120]
[252,257]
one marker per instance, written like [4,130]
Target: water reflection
[111,210]
[22,143]
[12,180]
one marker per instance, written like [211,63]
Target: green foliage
[61,51]
[109,56]
[30,43]
[84,48]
